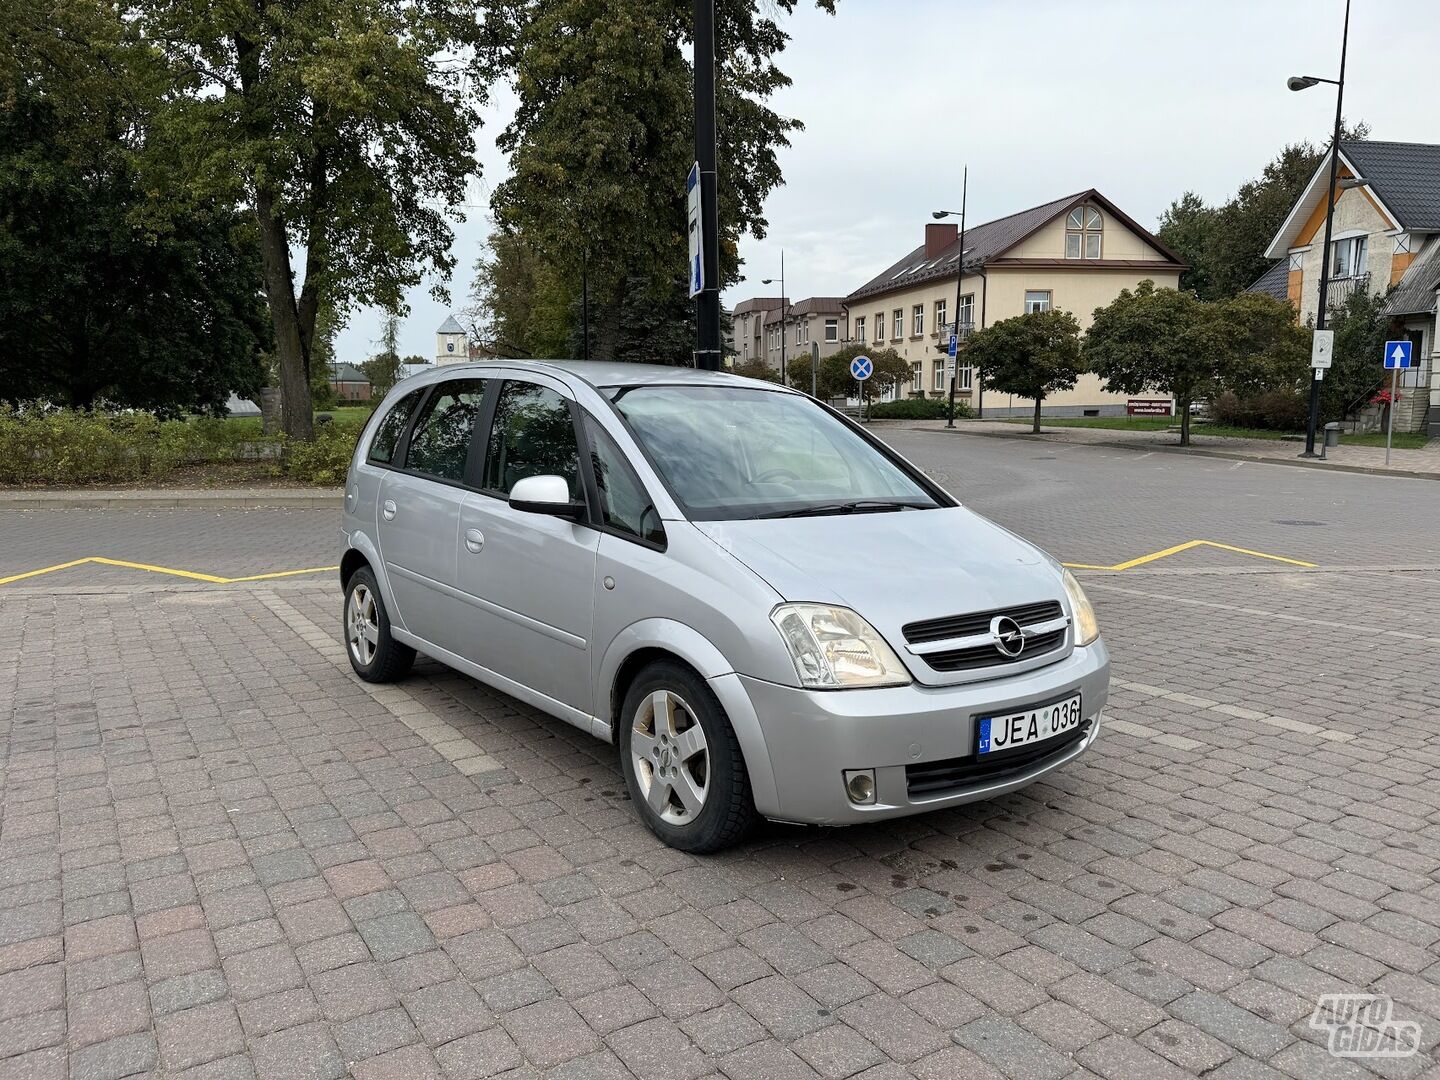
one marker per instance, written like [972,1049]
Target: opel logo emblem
[1009,638]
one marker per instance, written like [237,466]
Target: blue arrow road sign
[1397,354]
[861,368]
[954,344]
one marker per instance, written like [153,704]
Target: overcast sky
[1141,99]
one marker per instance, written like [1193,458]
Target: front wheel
[374,654]
[682,762]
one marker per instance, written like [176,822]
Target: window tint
[624,504]
[532,436]
[441,439]
[387,435]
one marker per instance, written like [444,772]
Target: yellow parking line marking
[189,575]
[1187,546]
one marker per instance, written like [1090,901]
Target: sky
[1142,99]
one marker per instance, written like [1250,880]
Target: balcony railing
[1340,290]
[966,329]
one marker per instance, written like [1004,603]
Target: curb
[1191,451]
[250,499]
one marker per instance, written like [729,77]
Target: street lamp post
[784,312]
[708,350]
[1304,82]
[959,283]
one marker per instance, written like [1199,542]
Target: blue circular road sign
[861,368]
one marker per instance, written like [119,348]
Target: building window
[1083,228]
[899,321]
[800,329]
[967,310]
[1037,300]
[940,307]
[832,330]
[965,377]
[918,317]
[859,327]
[879,326]
[940,383]
[917,379]
[1347,257]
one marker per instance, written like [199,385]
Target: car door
[419,512]
[529,578]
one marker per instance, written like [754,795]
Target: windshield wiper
[871,506]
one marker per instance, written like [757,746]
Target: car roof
[600,373]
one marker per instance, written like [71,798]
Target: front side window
[532,435]
[624,504]
[441,440]
[899,321]
[1083,229]
[918,317]
[731,452]
[1037,300]
[387,434]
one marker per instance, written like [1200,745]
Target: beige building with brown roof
[1075,254]
[760,324]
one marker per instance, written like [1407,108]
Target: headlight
[833,648]
[1087,627]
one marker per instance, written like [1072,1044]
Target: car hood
[893,568]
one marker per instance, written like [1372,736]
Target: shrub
[1273,410]
[917,409]
[324,460]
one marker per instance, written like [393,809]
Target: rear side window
[624,503]
[387,435]
[440,442]
[532,435]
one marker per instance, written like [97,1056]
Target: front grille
[937,777]
[978,622]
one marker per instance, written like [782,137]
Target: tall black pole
[784,315]
[959,282]
[1314,421]
[707,302]
[585,299]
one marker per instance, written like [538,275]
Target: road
[219,851]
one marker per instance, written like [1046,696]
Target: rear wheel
[374,654]
[682,762]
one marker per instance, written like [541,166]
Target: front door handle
[474,541]
[387,509]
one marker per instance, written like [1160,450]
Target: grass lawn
[1404,440]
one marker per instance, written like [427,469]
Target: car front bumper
[812,737]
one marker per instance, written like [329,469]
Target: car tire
[682,762]
[374,654]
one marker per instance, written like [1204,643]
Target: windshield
[736,452]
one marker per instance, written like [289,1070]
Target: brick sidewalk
[221,855]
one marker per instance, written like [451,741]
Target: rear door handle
[474,541]
[387,509]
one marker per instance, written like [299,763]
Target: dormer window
[1083,228]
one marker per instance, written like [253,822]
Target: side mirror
[545,495]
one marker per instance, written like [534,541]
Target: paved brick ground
[223,856]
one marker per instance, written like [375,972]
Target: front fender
[697,651]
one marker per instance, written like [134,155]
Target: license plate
[1028,726]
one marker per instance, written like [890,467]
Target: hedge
[916,409]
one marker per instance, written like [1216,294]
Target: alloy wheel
[363,625]
[671,757]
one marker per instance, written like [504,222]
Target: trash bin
[1332,435]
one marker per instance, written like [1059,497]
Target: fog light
[860,785]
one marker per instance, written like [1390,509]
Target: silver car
[765,609]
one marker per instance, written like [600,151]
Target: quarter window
[1083,230]
[532,435]
[624,504]
[387,435]
[441,440]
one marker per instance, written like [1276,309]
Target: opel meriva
[766,610]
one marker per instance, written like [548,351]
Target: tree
[833,379]
[1357,366]
[1269,350]
[602,140]
[756,369]
[346,129]
[1187,227]
[383,369]
[1162,340]
[108,295]
[1031,355]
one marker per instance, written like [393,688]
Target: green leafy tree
[519,301]
[759,369]
[347,129]
[1269,350]
[1161,340]
[1031,355]
[383,369]
[1188,226]
[602,140]
[834,379]
[107,294]
[1357,365]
